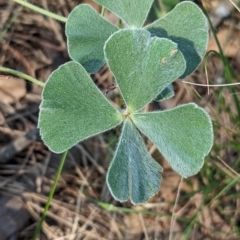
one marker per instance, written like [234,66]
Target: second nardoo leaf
[133,12]
[187,26]
[87,31]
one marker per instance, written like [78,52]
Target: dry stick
[114,227]
[235,5]
[173,219]
[78,205]
[143,226]
[81,175]
[30,207]
[68,237]
[39,178]
[89,220]
[61,220]
[214,85]
[91,159]
[227,166]
[56,204]
[205,67]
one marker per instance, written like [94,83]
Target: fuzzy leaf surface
[87,32]
[133,174]
[133,12]
[187,26]
[143,66]
[166,93]
[184,136]
[73,108]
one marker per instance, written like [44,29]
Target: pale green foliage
[144,62]
[143,66]
[187,26]
[166,93]
[73,108]
[133,12]
[87,32]
[133,174]
[183,135]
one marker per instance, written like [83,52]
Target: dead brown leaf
[11,89]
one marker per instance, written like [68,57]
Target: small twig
[78,205]
[228,167]
[143,226]
[91,159]
[173,219]
[87,223]
[235,5]
[214,85]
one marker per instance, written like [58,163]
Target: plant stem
[173,219]
[227,68]
[59,170]
[9,22]
[120,24]
[21,75]
[102,11]
[41,10]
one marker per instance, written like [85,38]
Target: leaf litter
[36,45]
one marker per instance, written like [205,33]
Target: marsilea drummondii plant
[144,62]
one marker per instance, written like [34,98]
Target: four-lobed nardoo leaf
[133,174]
[166,93]
[133,12]
[87,32]
[144,62]
[186,25]
[184,136]
[73,108]
[143,66]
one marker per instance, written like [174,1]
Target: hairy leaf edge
[210,129]
[67,27]
[107,177]
[151,39]
[207,31]
[118,113]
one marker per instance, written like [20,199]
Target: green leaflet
[143,66]
[184,136]
[133,174]
[133,12]
[166,93]
[87,31]
[73,109]
[187,26]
